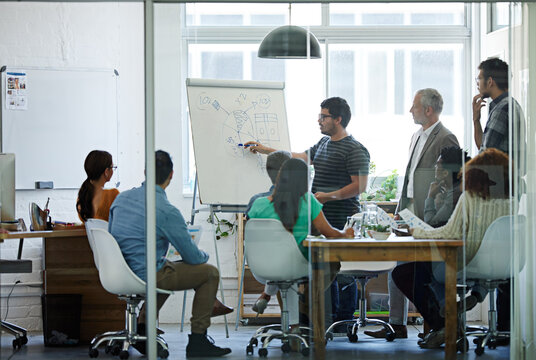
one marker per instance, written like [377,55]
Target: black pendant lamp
[289,42]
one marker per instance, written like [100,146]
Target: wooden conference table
[68,268]
[395,248]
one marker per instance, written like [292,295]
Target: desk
[394,248]
[68,268]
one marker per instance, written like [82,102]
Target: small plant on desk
[224,227]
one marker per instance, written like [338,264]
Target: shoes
[470,303]
[433,340]
[401,332]
[220,309]
[201,345]
[261,304]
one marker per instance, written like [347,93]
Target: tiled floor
[339,348]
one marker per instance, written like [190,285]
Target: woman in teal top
[292,203]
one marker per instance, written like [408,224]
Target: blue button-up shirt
[127,225]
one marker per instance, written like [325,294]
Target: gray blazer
[424,172]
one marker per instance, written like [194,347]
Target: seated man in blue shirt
[127,225]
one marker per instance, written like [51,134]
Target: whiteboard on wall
[224,114]
[66,114]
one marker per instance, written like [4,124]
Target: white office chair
[94,224]
[491,267]
[117,278]
[272,254]
[363,271]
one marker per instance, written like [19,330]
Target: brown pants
[203,278]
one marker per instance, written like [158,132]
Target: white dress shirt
[420,137]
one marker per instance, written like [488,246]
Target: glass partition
[409,193]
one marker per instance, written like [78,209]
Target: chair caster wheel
[352,338]
[93,353]
[462,346]
[492,344]
[116,349]
[24,340]
[162,353]
[306,351]
[254,342]
[476,341]
[123,355]
[108,349]
[285,348]
[249,350]
[479,350]
[329,336]
[389,336]
[263,352]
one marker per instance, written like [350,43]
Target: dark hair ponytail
[290,187]
[96,163]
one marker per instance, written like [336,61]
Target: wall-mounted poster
[16,91]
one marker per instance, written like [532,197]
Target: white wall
[102,35]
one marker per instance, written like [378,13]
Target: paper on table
[195,232]
[413,221]
[385,220]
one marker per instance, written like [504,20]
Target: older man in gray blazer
[426,145]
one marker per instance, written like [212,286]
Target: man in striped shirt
[341,163]
[341,166]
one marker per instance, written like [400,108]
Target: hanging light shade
[289,42]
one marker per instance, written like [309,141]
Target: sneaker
[401,332]
[433,340]
[470,303]
[261,304]
[200,345]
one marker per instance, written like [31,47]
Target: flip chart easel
[212,209]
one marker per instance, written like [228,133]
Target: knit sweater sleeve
[453,229]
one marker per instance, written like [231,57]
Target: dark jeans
[503,307]
[413,279]
[347,298]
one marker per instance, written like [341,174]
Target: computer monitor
[7,186]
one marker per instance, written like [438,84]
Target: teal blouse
[263,208]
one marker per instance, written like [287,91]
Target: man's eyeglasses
[114,167]
[322,117]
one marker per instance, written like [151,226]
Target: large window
[375,56]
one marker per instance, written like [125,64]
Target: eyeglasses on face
[322,117]
[113,167]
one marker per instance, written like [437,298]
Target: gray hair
[274,161]
[431,97]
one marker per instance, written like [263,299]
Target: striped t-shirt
[334,163]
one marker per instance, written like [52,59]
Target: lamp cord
[290,13]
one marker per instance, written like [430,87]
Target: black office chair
[16,267]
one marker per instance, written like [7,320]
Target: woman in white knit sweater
[486,197]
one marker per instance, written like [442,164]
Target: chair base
[273,332]
[18,332]
[488,336]
[360,323]
[118,342]
[280,331]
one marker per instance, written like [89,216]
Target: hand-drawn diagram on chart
[244,120]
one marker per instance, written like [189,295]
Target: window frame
[328,35]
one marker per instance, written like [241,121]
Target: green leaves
[223,227]
[386,191]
